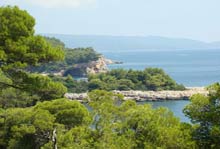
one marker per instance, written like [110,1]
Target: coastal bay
[173,100]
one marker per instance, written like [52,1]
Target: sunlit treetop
[19,47]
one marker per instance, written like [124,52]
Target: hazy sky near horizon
[195,19]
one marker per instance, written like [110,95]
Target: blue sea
[191,68]
[188,67]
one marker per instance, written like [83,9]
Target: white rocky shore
[149,95]
[100,65]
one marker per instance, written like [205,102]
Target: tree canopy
[18,45]
[26,128]
[110,124]
[204,112]
[120,79]
[20,48]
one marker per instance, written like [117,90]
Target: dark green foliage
[18,45]
[55,42]
[129,125]
[150,79]
[73,86]
[24,89]
[27,128]
[34,84]
[68,113]
[72,57]
[76,71]
[204,112]
[11,97]
[125,125]
[80,55]
[15,24]
[114,125]
[119,79]
[96,84]
[19,49]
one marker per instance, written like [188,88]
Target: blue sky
[195,19]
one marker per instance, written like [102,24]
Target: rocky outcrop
[60,73]
[73,96]
[92,67]
[83,69]
[149,95]
[99,66]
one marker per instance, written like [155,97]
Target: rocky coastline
[141,96]
[83,69]
[100,66]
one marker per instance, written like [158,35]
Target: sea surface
[188,67]
[192,68]
[176,107]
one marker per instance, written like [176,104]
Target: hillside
[77,62]
[106,43]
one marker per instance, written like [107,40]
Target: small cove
[194,68]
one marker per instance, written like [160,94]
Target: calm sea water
[188,67]
[175,106]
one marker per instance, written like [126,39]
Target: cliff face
[83,69]
[93,67]
[99,66]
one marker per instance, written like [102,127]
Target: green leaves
[19,47]
[119,79]
[33,50]
[15,23]
[127,124]
[204,111]
[80,55]
[69,113]
[32,127]
[36,84]
[199,104]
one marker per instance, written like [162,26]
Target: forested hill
[72,57]
[106,43]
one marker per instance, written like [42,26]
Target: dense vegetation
[109,125]
[20,48]
[124,126]
[72,57]
[55,42]
[204,112]
[72,85]
[119,79]
[33,114]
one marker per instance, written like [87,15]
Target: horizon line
[138,36]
